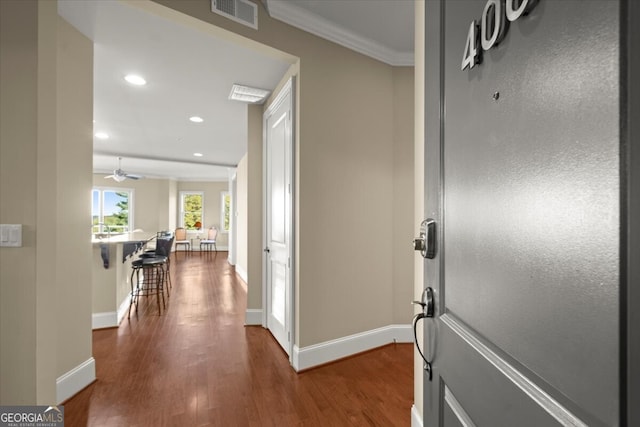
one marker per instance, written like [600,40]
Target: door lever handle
[426,303]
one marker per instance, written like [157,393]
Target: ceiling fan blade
[119,175]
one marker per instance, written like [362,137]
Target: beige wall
[345,194]
[254,215]
[167,208]
[104,298]
[74,160]
[172,191]
[345,181]
[242,211]
[45,178]
[403,223]
[18,198]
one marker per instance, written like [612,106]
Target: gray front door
[523,179]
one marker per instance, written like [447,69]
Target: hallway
[198,365]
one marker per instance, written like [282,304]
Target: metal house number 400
[492,27]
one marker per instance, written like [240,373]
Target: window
[225,213]
[191,215]
[110,210]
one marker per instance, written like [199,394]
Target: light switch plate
[11,235]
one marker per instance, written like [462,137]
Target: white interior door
[278,147]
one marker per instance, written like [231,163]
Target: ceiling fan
[119,175]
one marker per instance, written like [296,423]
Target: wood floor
[198,365]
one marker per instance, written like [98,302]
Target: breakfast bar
[112,257]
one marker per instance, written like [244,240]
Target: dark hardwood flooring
[196,364]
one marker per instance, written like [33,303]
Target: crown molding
[291,14]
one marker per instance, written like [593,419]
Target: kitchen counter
[111,284]
[124,237]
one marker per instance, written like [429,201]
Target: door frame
[233,249]
[288,89]
[629,330]
[433,195]
[630,213]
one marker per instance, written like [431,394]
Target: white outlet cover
[10,235]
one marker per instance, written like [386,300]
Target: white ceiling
[190,73]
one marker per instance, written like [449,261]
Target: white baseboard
[104,320]
[329,351]
[240,271]
[196,248]
[110,319]
[253,317]
[416,419]
[75,380]
[124,308]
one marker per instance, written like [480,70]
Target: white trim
[111,319]
[124,308]
[130,200]
[416,418]
[288,12]
[329,351]
[196,247]
[240,271]
[232,235]
[75,380]
[107,319]
[253,317]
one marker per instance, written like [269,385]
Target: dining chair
[181,238]
[210,240]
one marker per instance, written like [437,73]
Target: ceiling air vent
[242,11]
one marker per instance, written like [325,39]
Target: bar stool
[153,279]
[163,249]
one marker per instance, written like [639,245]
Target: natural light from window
[225,213]
[191,214]
[110,210]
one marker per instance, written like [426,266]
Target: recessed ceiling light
[198,154]
[196,119]
[102,135]
[249,94]
[135,79]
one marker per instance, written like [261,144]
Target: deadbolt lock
[418,244]
[425,243]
